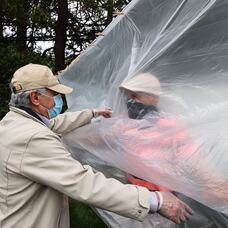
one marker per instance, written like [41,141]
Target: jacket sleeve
[47,162]
[69,121]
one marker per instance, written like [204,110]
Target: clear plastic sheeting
[183,148]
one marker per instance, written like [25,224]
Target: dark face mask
[137,110]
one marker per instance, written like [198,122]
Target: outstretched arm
[70,121]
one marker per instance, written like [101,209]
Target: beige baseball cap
[35,76]
[145,83]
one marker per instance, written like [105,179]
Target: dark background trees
[68,25]
[50,32]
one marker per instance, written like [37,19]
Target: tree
[10,60]
[1,21]
[21,24]
[70,25]
[60,34]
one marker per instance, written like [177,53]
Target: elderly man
[37,173]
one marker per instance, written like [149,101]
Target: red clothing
[149,185]
[166,134]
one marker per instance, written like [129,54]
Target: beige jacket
[37,174]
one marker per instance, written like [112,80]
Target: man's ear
[34,98]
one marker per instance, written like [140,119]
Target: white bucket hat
[145,83]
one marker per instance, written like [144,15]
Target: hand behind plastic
[174,209]
[105,112]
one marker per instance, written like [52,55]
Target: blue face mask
[53,112]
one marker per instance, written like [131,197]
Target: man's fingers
[186,215]
[183,218]
[176,220]
[104,113]
[188,209]
[107,114]
[174,209]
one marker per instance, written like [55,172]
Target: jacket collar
[32,113]
[29,114]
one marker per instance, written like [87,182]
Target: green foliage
[40,17]
[82,216]
[10,60]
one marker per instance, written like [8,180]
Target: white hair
[22,99]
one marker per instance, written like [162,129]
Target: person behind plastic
[142,94]
[38,174]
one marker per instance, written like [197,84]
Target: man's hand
[174,209]
[105,112]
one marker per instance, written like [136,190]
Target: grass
[82,216]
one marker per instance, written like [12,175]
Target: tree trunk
[110,8]
[1,27]
[1,21]
[21,23]
[60,34]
